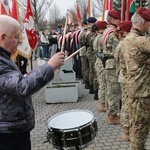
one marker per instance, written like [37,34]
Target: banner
[4,7]
[130,9]
[30,26]
[78,12]
[69,17]
[107,8]
[24,48]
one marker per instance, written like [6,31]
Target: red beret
[125,26]
[144,13]
[114,14]
[101,25]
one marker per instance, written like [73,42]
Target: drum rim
[72,110]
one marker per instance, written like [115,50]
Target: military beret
[115,14]
[101,25]
[144,13]
[84,21]
[91,20]
[125,26]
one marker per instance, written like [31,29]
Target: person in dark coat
[16,110]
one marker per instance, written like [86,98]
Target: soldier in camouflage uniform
[122,31]
[85,67]
[109,42]
[97,47]
[136,53]
[89,43]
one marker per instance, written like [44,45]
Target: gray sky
[63,5]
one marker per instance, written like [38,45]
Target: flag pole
[103,10]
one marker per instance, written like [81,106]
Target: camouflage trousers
[113,91]
[124,109]
[139,115]
[91,61]
[92,72]
[100,75]
[85,68]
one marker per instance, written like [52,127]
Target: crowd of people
[114,66]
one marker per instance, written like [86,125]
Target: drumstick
[74,53]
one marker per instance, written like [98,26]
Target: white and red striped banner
[4,7]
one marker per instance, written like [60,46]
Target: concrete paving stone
[108,137]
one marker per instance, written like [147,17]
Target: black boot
[96,95]
[91,91]
[87,86]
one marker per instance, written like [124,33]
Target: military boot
[91,91]
[113,119]
[101,107]
[125,134]
[96,94]
[87,86]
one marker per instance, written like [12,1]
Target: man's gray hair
[137,19]
[7,23]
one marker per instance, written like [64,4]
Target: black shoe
[87,86]
[91,91]
[96,94]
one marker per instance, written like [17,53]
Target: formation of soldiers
[115,67]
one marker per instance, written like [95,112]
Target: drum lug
[92,131]
[50,136]
[64,139]
[80,137]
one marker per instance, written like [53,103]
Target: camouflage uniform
[91,57]
[121,73]
[112,85]
[85,66]
[100,70]
[136,52]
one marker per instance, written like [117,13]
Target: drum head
[70,119]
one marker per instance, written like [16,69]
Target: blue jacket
[16,109]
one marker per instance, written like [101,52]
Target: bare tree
[54,15]
[40,9]
[97,8]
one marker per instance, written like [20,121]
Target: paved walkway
[108,137]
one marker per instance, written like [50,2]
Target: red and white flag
[30,26]
[69,17]
[4,7]
[24,48]
[78,12]
[107,8]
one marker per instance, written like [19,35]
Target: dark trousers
[15,141]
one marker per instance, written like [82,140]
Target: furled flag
[78,12]
[24,48]
[107,8]
[30,26]
[69,17]
[4,7]
[130,9]
[89,9]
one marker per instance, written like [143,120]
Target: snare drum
[73,129]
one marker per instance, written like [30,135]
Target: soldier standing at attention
[109,42]
[89,38]
[122,31]
[136,52]
[83,52]
[98,66]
